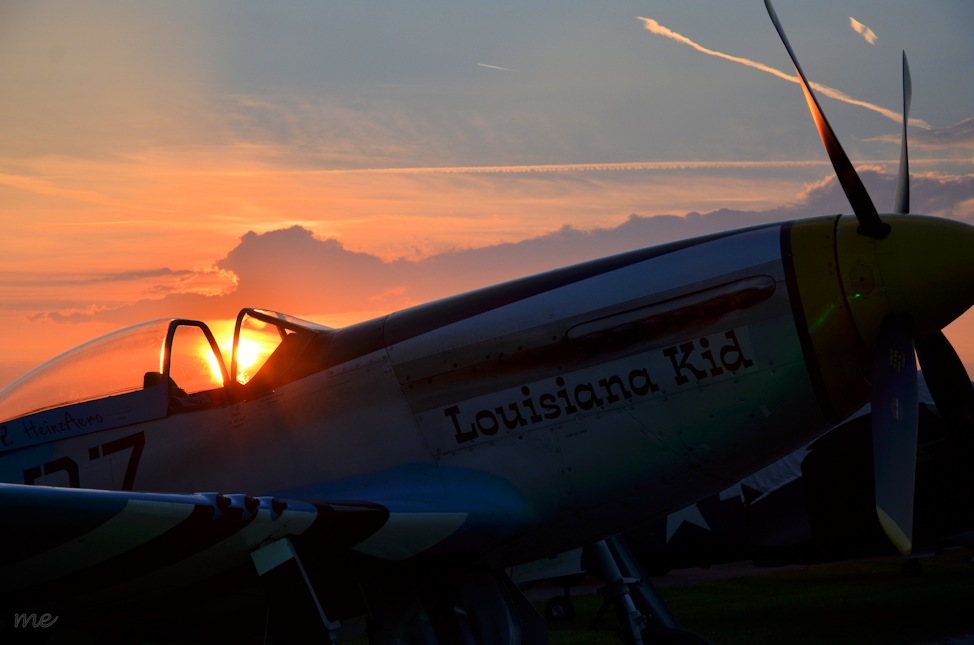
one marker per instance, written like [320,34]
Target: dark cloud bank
[291,270]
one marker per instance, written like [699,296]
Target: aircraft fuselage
[555,402]
[534,416]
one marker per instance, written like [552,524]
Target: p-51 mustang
[393,468]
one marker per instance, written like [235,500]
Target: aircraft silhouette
[391,469]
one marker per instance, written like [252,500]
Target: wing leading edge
[64,543]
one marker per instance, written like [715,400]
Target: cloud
[76,280]
[293,266]
[84,315]
[930,194]
[656,28]
[294,271]
[623,166]
[291,270]
[959,135]
[85,290]
[864,31]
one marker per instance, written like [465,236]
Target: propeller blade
[862,205]
[894,425]
[901,203]
[946,378]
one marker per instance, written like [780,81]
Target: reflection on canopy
[107,366]
[180,354]
[258,334]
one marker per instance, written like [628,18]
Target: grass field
[853,602]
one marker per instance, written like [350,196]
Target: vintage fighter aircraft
[391,469]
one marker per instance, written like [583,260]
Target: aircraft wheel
[673,636]
[559,608]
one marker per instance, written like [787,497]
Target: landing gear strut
[643,616]
[295,611]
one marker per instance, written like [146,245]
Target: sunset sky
[340,160]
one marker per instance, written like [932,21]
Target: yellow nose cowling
[924,268]
[847,284]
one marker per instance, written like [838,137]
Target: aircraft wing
[70,543]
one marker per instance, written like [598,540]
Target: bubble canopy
[183,352]
[176,352]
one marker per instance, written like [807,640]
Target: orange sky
[89,259]
[142,143]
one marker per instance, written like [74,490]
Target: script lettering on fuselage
[63,424]
[49,426]
[611,384]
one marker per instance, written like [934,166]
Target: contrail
[658,29]
[546,168]
[865,31]
[495,67]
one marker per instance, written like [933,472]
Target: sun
[251,354]
[248,351]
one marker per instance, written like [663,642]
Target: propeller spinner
[905,278]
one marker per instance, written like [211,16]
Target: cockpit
[165,367]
